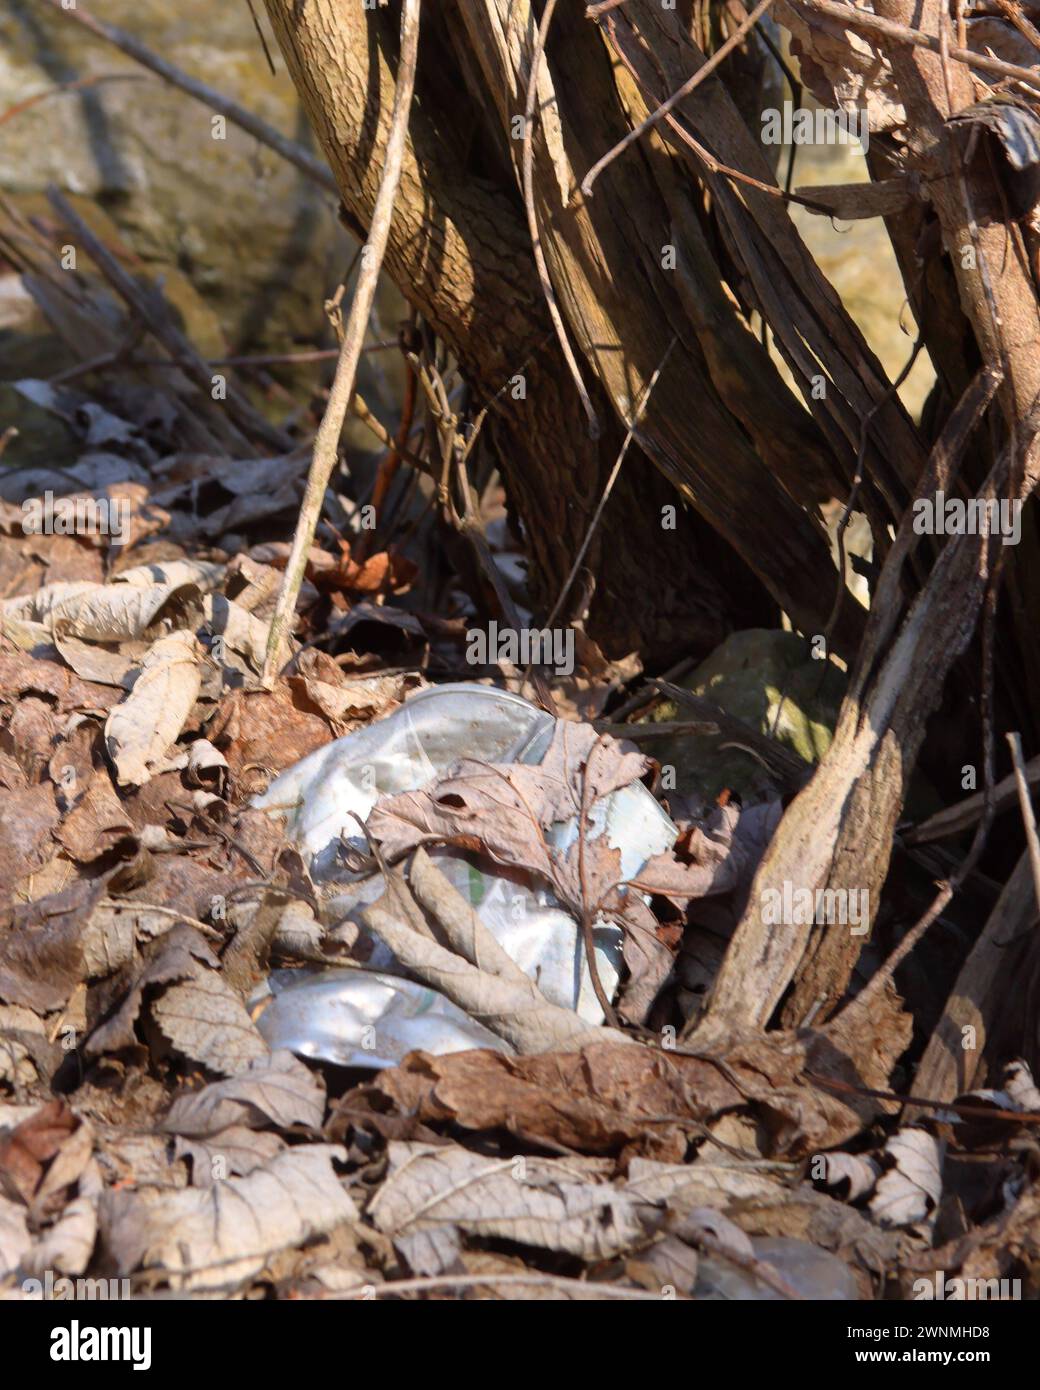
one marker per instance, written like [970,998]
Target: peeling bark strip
[811,328]
[625,320]
[837,833]
[997,289]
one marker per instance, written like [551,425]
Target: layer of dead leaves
[148,1132]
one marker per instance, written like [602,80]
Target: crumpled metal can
[323,797]
[363,1018]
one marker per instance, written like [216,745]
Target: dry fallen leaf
[1020,1086]
[347,704]
[596,1101]
[15,1239]
[843,66]
[667,1264]
[848,1176]
[168,959]
[910,1190]
[68,1245]
[207,767]
[238,636]
[29,816]
[97,824]
[507,813]
[206,1020]
[714,857]
[86,620]
[607,1098]
[702,1183]
[273,1090]
[552,1204]
[232,1152]
[257,487]
[23,1055]
[503,810]
[21,673]
[44,1154]
[50,946]
[140,731]
[261,732]
[220,1237]
[384,573]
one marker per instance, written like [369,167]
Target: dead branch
[209,96]
[326,444]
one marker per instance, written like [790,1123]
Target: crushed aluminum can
[322,798]
[363,1018]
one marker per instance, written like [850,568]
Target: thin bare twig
[587,913]
[608,488]
[709,161]
[1012,10]
[666,728]
[263,40]
[1026,806]
[558,1282]
[244,422]
[267,359]
[641,405]
[646,694]
[532,220]
[326,443]
[969,1111]
[360,407]
[951,820]
[854,18]
[133,905]
[392,459]
[470,527]
[680,94]
[66,88]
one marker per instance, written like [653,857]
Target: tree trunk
[720,422]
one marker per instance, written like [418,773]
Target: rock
[259,242]
[42,439]
[746,676]
[810,1272]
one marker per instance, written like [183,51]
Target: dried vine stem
[532,221]
[684,91]
[863,21]
[1026,807]
[326,443]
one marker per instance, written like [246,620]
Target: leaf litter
[178,866]
[437,1166]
